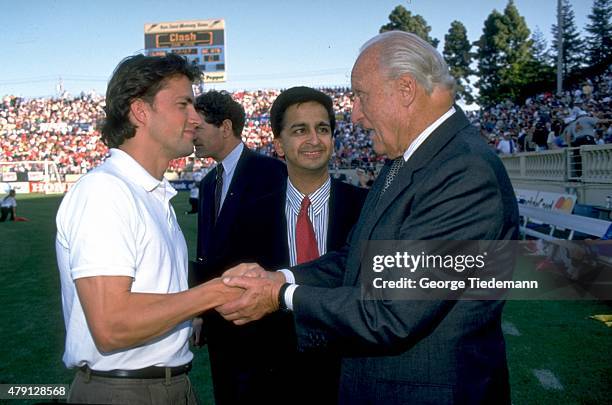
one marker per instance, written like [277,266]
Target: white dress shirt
[229,167]
[318,212]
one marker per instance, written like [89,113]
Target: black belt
[149,372]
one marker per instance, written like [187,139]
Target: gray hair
[403,52]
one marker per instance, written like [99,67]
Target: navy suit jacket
[399,351]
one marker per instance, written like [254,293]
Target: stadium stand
[64,130]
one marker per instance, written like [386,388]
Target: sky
[269,43]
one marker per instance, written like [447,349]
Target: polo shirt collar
[135,172]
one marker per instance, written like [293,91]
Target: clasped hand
[259,298]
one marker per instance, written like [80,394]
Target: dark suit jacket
[414,352]
[255,176]
[259,235]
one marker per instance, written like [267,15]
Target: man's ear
[279,147]
[139,111]
[407,87]
[228,128]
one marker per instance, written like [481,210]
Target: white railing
[596,163]
[587,164]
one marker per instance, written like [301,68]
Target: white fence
[586,164]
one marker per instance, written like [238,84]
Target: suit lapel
[206,214]
[282,223]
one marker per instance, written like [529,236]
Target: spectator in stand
[581,131]
[506,146]
[587,89]
[540,136]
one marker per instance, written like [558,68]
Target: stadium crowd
[64,129]
[548,121]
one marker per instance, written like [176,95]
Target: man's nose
[313,137]
[194,117]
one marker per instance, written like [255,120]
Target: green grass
[558,336]
[555,335]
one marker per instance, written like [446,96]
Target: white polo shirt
[117,221]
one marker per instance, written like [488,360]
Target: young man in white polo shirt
[121,254]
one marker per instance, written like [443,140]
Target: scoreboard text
[200,42]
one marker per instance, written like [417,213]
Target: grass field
[554,340]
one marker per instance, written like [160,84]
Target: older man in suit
[443,182]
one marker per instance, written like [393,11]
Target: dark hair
[298,95]
[218,106]
[138,77]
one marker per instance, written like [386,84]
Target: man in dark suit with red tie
[309,216]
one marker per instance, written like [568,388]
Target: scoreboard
[201,42]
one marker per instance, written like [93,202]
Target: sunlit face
[209,141]
[171,118]
[376,106]
[306,138]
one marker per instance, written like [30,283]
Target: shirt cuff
[289,296]
[289,277]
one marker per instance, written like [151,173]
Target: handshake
[249,292]
[245,293]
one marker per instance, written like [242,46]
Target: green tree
[542,66]
[541,53]
[403,20]
[517,51]
[599,40]
[458,56]
[489,57]
[505,55]
[570,40]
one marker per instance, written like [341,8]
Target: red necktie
[306,242]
